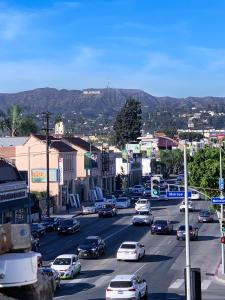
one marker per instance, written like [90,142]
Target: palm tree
[11,120]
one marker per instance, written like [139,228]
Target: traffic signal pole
[187,231]
[221,196]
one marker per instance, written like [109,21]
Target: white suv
[127,287]
[130,251]
[190,206]
[143,204]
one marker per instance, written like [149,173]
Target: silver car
[205,216]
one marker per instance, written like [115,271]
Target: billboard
[135,148]
[40,175]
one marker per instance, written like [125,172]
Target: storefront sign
[13,195]
[40,175]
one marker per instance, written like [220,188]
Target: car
[205,216]
[193,232]
[147,192]
[190,206]
[130,286]
[53,275]
[143,217]
[38,229]
[50,223]
[35,244]
[110,199]
[99,203]
[130,251]
[118,193]
[195,195]
[92,246]
[122,202]
[160,226]
[86,210]
[143,204]
[107,210]
[69,226]
[138,188]
[67,265]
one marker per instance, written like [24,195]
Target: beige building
[31,158]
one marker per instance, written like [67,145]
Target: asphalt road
[164,262]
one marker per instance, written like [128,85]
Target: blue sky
[165,47]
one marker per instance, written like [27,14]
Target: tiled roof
[77,141]
[56,143]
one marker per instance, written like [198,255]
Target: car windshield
[88,242]
[142,202]
[62,261]
[121,200]
[160,222]
[128,246]
[67,223]
[145,212]
[121,284]
[204,213]
[101,200]
[182,227]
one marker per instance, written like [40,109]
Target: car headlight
[94,249]
[70,228]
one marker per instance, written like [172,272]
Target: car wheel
[145,297]
[139,296]
[178,238]
[152,232]
[58,284]
[139,257]
[79,270]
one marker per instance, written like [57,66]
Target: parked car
[53,276]
[147,192]
[143,217]
[143,204]
[110,199]
[38,229]
[50,224]
[161,227]
[190,206]
[67,265]
[107,210]
[122,202]
[205,216]
[118,193]
[69,226]
[127,287]
[92,246]
[35,244]
[99,203]
[86,210]
[138,189]
[130,251]
[195,195]
[193,232]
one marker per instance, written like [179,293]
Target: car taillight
[108,290]
[132,289]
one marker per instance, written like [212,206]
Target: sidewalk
[73,212]
[219,276]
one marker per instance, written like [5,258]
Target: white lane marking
[102,280]
[114,233]
[169,242]
[206,283]
[140,268]
[157,252]
[178,283]
[76,280]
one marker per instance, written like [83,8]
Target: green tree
[203,170]
[27,126]
[173,160]
[128,123]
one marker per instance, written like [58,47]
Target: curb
[77,214]
[217,277]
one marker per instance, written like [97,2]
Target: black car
[92,246]
[50,224]
[161,226]
[107,210]
[68,226]
[37,229]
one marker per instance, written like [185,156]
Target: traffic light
[155,186]
[222,239]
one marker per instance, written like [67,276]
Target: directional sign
[217,200]
[177,194]
[221,184]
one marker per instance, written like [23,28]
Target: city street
[162,266]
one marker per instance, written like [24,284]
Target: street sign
[217,200]
[221,184]
[175,194]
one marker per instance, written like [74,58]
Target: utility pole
[46,117]
[187,231]
[221,196]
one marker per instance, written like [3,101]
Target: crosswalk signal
[155,187]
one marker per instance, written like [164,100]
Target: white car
[110,199]
[122,202]
[127,287]
[143,204]
[130,251]
[86,210]
[139,189]
[195,195]
[67,265]
[143,217]
[190,206]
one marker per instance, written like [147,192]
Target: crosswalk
[179,283]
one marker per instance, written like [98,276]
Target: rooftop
[77,141]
